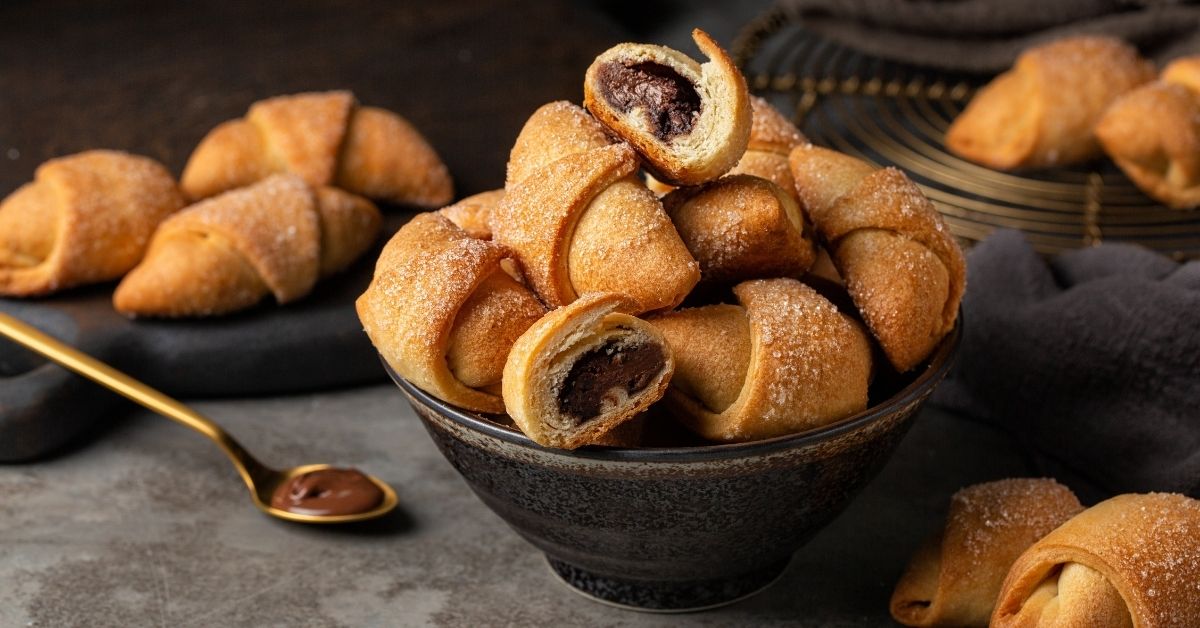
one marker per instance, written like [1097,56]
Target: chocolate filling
[669,100]
[328,492]
[600,371]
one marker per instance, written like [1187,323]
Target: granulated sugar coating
[86,218]
[770,131]
[908,298]
[305,131]
[956,576]
[424,276]
[989,517]
[805,364]
[1146,546]
[554,131]
[274,225]
[741,227]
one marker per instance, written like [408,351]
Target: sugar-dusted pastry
[328,140]
[784,360]
[226,253]
[1133,560]
[474,213]
[1042,111]
[580,220]
[772,138]
[955,576]
[690,121]
[583,370]
[85,218]
[1153,133]
[742,227]
[900,264]
[444,309]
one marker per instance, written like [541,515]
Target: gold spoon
[260,479]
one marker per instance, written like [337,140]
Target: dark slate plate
[152,78]
[316,342]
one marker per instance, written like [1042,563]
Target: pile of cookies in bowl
[680,338]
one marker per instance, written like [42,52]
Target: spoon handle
[120,383]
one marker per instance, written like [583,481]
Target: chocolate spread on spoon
[328,492]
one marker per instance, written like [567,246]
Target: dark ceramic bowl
[680,528]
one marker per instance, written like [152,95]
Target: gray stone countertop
[149,525]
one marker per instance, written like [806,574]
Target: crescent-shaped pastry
[1153,134]
[772,138]
[444,309]
[1042,111]
[226,253]
[85,218]
[900,264]
[783,361]
[581,221]
[742,227]
[690,121]
[474,213]
[955,576]
[1133,560]
[583,370]
[328,140]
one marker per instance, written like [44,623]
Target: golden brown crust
[1132,553]
[1183,71]
[582,221]
[806,363]
[1042,112]
[85,218]
[555,130]
[439,303]
[955,577]
[326,139]
[1153,134]
[474,213]
[226,253]
[772,138]
[717,134]
[901,265]
[540,361]
[741,227]
[385,157]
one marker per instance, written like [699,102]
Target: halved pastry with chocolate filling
[690,121]
[584,369]
[783,361]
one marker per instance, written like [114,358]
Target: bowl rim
[937,366]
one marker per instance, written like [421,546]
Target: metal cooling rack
[891,113]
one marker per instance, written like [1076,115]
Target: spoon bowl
[262,480]
[264,489]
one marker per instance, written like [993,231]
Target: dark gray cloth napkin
[1092,359]
[987,35]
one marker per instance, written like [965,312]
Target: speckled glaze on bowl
[675,529]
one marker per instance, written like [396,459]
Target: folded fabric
[987,35]
[1092,359]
